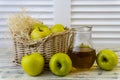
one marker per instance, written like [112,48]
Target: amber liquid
[82,58]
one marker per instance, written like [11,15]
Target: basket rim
[31,42]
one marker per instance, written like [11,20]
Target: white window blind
[103,15]
[40,9]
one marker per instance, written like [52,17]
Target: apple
[60,64]
[107,59]
[39,31]
[33,63]
[57,28]
[36,34]
[39,25]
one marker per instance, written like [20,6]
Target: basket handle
[71,40]
[41,42]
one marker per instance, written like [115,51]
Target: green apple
[107,59]
[36,34]
[39,25]
[36,25]
[33,63]
[60,64]
[39,31]
[57,28]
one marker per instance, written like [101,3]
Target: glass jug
[82,52]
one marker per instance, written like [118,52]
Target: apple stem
[59,65]
[104,59]
[40,30]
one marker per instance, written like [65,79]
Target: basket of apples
[30,35]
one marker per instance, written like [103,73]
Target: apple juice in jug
[82,52]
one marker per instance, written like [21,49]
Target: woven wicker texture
[47,46]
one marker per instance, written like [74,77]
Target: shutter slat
[101,2]
[22,3]
[34,15]
[47,22]
[106,28]
[28,10]
[4,29]
[4,35]
[95,8]
[106,34]
[94,15]
[106,40]
[95,24]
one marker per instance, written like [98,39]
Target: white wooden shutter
[103,15]
[40,9]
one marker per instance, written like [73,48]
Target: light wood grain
[9,71]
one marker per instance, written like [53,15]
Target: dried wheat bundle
[20,25]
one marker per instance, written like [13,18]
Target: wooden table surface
[9,71]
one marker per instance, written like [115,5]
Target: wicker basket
[47,46]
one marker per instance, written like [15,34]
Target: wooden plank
[8,71]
